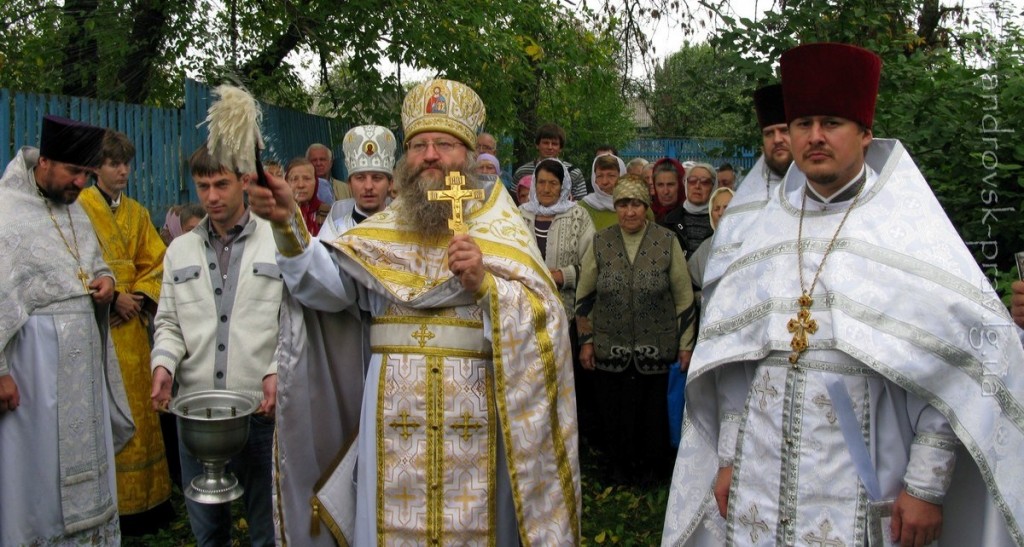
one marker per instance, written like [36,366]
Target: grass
[179,534]
[613,514]
[619,514]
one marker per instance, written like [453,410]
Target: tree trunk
[149,27]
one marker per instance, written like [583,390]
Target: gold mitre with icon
[369,148]
[443,105]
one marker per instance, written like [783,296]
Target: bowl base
[214,490]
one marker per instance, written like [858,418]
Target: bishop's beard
[418,213]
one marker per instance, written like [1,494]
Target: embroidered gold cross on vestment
[404,425]
[466,426]
[423,334]
[801,327]
[456,194]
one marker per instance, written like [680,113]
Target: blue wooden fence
[164,137]
[156,176]
[713,151]
[287,133]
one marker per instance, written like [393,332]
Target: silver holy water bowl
[214,426]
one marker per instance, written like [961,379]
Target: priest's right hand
[161,394]
[274,202]
[722,483]
[1017,303]
[9,397]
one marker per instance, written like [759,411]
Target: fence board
[164,138]
[6,141]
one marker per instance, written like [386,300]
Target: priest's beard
[418,213]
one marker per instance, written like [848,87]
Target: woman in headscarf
[523,189]
[563,231]
[690,222]
[720,199]
[604,173]
[302,178]
[487,164]
[562,228]
[634,312]
[668,177]
[172,224]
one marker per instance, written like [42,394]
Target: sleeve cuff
[291,236]
[569,276]
[163,358]
[485,286]
[930,470]
[728,433]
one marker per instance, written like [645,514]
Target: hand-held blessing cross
[456,194]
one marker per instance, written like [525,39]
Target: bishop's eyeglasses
[442,146]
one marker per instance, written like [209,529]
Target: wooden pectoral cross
[801,327]
[456,194]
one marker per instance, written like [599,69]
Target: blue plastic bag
[676,400]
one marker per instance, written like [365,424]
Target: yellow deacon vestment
[468,431]
[134,251]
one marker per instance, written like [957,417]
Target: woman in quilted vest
[635,315]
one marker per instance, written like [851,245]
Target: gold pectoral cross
[84,277]
[456,194]
[801,327]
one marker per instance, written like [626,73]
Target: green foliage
[617,514]
[34,39]
[581,94]
[27,46]
[690,80]
[531,61]
[941,77]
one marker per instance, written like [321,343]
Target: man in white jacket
[216,328]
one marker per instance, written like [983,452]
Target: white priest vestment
[57,482]
[913,329]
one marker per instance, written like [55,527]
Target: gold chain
[831,244]
[804,324]
[75,253]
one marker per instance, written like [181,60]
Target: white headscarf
[688,205]
[562,205]
[599,199]
[711,202]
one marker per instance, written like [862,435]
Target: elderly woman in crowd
[302,178]
[563,231]
[719,201]
[636,167]
[487,164]
[562,228]
[668,176]
[635,315]
[691,222]
[604,173]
